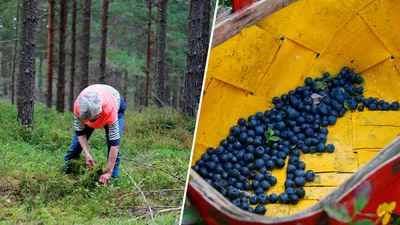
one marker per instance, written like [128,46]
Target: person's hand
[89,161]
[104,178]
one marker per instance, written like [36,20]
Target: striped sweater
[108,117]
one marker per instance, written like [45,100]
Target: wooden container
[259,53]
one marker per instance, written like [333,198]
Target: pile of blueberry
[241,164]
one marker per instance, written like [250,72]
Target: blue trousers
[76,148]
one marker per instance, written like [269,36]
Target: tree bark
[195,59]
[60,106]
[103,50]
[125,86]
[73,55]
[40,82]
[85,45]
[161,34]
[15,57]
[148,56]
[206,31]
[26,83]
[4,72]
[50,54]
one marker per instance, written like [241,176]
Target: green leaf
[191,215]
[321,85]
[266,136]
[364,222]
[342,89]
[346,106]
[362,196]
[274,138]
[271,131]
[292,146]
[362,79]
[337,211]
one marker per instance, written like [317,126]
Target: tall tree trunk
[103,50]
[113,46]
[60,106]
[50,54]
[137,91]
[15,57]
[40,82]
[206,31]
[161,34]
[85,45]
[73,54]
[195,59]
[26,83]
[4,72]
[148,56]
[125,84]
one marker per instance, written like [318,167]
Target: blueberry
[280,163]
[259,163]
[252,174]
[294,160]
[308,81]
[331,120]
[290,176]
[321,147]
[265,185]
[372,106]
[242,122]
[253,200]
[233,193]
[313,149]
[232,180]
[239,185]
[330,148]
[291,168]
[289,183]
[244,205]
[258,191]
[293,199]
[310,175]
[246,186]
[269,164]
[272,180]
[299,173]
[260,209]
[263,199]
[360,108]
[259,151]
[394,106]
[235,130]
[299,181]
[234,173]
[263,170]
[248,157]
[236,202]
[289,191]
[243,137]
[283,198]
[300,192]
[260,177]
[358,98]
[295,152]
[223,192]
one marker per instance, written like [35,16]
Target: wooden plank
[245,18]
[302,205]
[329,179]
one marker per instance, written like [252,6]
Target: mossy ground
[34,190]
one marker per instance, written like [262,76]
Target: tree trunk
[103,49]
[195,59]
[206,31]
[112,77]
[40,82]
[125,84]
[137,91]
[73,54]
[15,57]
[60,106]
[148,56]
[50,54]
[161,39]
[4,73]
[26,82]
[85,45]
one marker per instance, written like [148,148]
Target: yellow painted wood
[292,63]
[383,80]
[257,61]
[302,205]
[328,179]
[356,5]
[316,193]
[221,107]
[308,22]
[355,46]
[383,18]
[364,157]
[242,60]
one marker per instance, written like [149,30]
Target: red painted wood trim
[239,4]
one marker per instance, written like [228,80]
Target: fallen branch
[159,100]
[144,197]
[155,167]
[161,211]
[162,190]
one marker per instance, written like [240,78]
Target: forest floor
[155,151]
